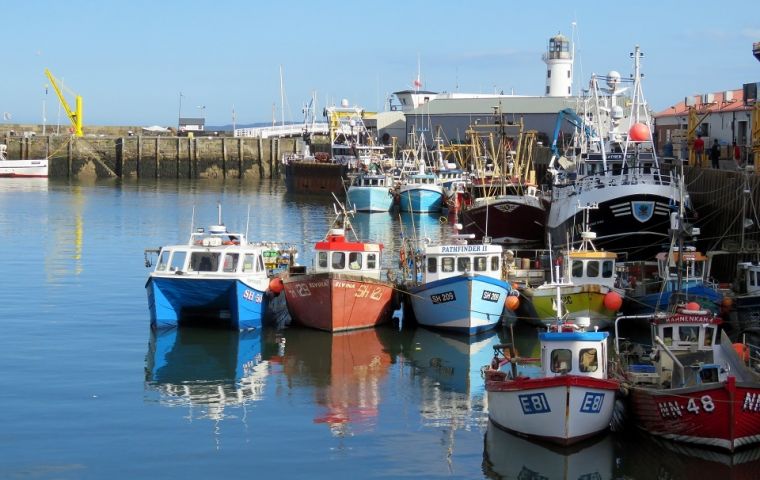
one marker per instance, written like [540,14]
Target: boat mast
[282,98]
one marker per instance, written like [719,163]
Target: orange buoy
[743,351]
[639,132]
[513,302]
[692,306]
[727,302]
[275,285]
[613,301]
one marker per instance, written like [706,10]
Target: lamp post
[202,109]
[179,114]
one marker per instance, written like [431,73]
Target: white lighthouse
[559,67]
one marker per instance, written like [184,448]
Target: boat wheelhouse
[370,192]
[420,192]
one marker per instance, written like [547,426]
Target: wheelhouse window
[163,261]
[230,262]
[481,264]
[178,261]
[248,262]
[371,261]
[588,360]
[592,269]
[608,268]
[667,335]
[338,260]
[463,264]
[709,332]
[688,334]
[561,360]
[495,263]
[432,264]
[447,264]
[322,259]
[355,261]
[577,268]
[204,261]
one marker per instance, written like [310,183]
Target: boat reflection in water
[453,391]
[510,456]
[647,456]
[346,370]
[210,369]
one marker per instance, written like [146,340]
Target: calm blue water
[88,391]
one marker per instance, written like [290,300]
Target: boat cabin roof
[600,254]
[336,241]
[575,352]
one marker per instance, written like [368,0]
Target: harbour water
[89,392]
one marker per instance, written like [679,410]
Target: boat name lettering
[685,318]
[302,290]
[320,284]
[443,297]
[463,248]
[252,296]
[675,409]
[751,402]
[592,402]
[534,403]
[365,291]
[490,296]
[340,284]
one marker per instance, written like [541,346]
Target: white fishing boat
[37,167]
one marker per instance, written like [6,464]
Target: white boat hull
[24,168]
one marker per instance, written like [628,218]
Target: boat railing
[601,180]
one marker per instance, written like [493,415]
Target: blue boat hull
[707,298]
[369,199]
[226,303]
[464,304]
[420,200]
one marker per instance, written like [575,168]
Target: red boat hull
[335,303]
[723,415]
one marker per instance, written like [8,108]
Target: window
[463,264]
[447,264]
[547,89]
[561,360]
[495,263]
[688,334]
[260,264]
[588,360]
[577,268]
[322,259]
[432,264]
[230,262]
[204,261]
[592,269]
[355,261]
[371,261]
[607,269]
[568,76]
[481,264]
[178,261]
[667,335]
[548,74]
[163,261]
[248,265]
[709,332]
[338,260]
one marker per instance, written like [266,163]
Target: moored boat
[216,279]
[370,192]
[345,289]
[692,385]
[420,193]
[37,167]
[564,396]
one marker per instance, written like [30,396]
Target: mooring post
[224,158]
[240,157]
[139,156]
[158,161]
[69,156]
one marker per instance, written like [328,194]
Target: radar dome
[613,78]
[344,103]
[617,112]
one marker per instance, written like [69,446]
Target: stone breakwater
[154,157]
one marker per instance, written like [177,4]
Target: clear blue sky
[130,60]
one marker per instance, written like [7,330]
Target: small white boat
[37,167]
[216,279]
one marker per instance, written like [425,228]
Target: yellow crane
[75,116]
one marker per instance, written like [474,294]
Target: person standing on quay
[737,155]
[715,154]
[699,150]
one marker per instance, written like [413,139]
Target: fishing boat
[370,192]
[457,287]
[505,202]
[615,168]
[586,278]
[351,148]
[564,396]
[345,289]
[420,193]
[692,384]
[216,279]
[37,167]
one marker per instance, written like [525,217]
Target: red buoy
[513,302]
[613,301]
[275,285]
[692,306]
[639,132]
